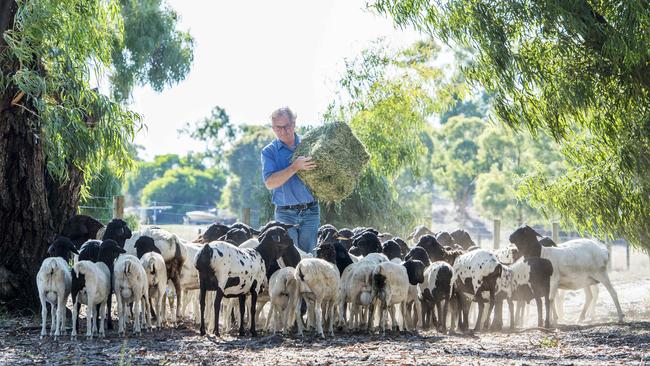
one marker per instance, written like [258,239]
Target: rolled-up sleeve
[268,163]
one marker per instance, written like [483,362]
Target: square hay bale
[340,158]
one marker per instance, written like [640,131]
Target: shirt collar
[281,144]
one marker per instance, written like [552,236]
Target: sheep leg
[547,303]
[441,319]
[318,315]
[588,298]
[253,305]
[382,323]
[395,324]
[332,307]
[60,318]
[179,299]
[90,318]
[161,314]
[120,315]
[43,315]
[518,313]
[54,312]
[242,311]
[595,289]
[477,327]
[497,321]
[217,308]
[136,315]
[511,308]
[102,314]
[442,325]
[418,311]
[75,309]
[603,278]
[202,293]
[406,317]
[538,302]
[299,316]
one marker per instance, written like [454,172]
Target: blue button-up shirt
[276,156]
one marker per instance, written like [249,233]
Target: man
[294,203]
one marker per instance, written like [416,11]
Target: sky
[252,57]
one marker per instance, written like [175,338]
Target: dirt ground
[601,341]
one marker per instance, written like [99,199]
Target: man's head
[283,122]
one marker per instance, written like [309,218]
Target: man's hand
[303,163]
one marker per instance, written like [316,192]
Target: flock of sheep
[354,279]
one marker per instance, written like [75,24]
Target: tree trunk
[33,205]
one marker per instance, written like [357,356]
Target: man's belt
[302,206]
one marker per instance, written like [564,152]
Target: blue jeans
[308,220]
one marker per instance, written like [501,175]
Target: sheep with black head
[237,272]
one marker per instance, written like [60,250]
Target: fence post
[497,233]
[555,235]
[246,215]
[118,207]
[627,255]
[478,237]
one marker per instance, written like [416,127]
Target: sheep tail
[379,280]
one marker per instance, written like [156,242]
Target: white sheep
[356,289]
[318,284]
[283,295]
[577,263]
[390,285]
[173,251]
[131,286]
[54,283]
[95,292]
[154,266]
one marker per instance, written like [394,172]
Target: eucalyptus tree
[56,130]
[579,70]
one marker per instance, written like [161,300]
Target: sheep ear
[50,249]
[120,250]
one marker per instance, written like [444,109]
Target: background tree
[56,130]
[215,130]
[579,70]
[184,189]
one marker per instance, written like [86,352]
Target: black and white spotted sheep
[475,272]
[237,272]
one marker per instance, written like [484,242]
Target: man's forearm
[279,178]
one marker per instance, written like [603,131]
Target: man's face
[283,129]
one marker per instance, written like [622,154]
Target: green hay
[340,158]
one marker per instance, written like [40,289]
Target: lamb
[173,252]
[54,282]
[97,251]
[97,287]
[436,289]
[81,228]
[532,277]
[154,266]
[577,264]
[131,286]
[356,288]
[318,284]
[475,272]
[236,272]
[390,286]
[283,293]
